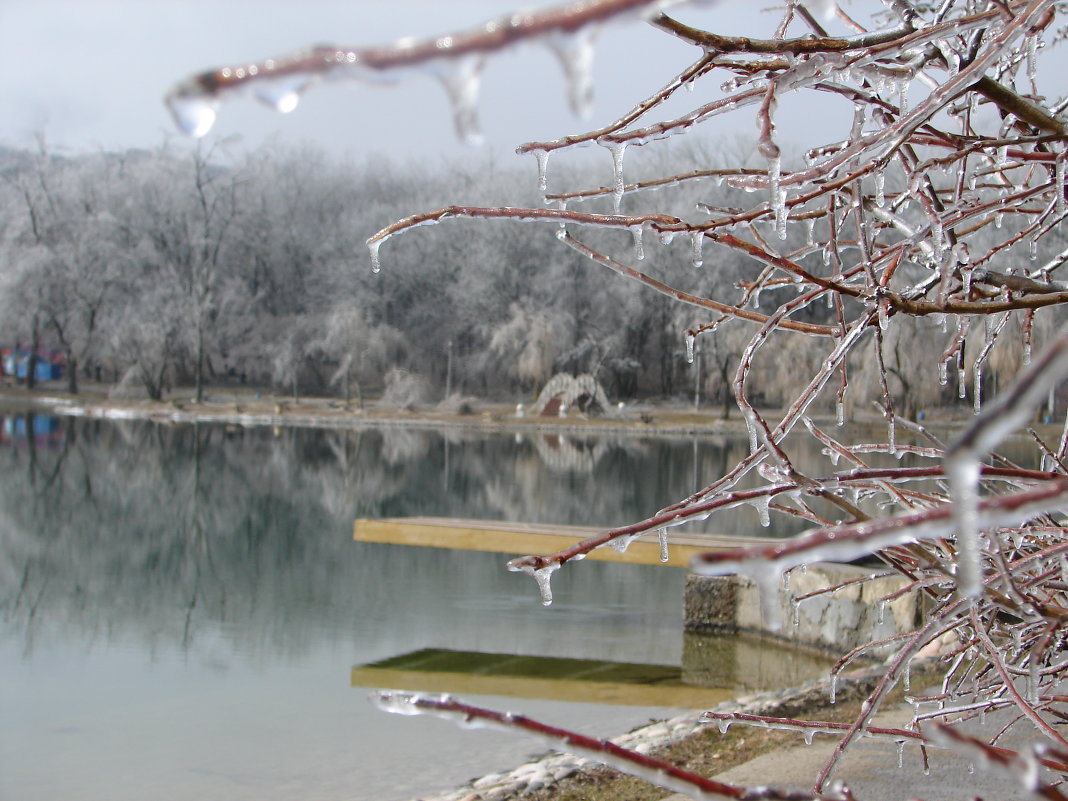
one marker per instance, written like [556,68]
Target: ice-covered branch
[656,771]
[456,58]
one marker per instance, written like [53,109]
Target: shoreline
[251,408]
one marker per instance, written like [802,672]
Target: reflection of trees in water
[154,532]
[561,452]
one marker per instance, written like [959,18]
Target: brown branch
[801,45]
[489,37]
[656,771]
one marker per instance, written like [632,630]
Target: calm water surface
[180,606]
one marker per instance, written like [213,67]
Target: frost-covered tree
[937,205]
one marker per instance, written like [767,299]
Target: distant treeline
[156,269]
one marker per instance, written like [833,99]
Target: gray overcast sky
[92,73]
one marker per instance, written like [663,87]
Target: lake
[183,607]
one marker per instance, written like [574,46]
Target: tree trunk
[72,373]
[200,361]
[31,362]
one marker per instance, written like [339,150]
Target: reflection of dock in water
[496,536]
[714,669]
[583,680]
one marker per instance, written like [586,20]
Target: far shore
[249,406]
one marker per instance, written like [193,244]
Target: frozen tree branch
[908,262]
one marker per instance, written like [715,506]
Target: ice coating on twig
[568,30]
[1007,414]
[655,771]
[542,575]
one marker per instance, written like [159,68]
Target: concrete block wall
[840,621]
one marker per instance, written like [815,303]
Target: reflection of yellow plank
[679,696]
[532,538]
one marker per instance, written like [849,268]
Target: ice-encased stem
[655,771]
[1009,412]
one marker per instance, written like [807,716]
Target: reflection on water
[180,606]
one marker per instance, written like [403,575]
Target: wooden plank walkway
[520,539]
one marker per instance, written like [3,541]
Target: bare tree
[937,203]
[188,216]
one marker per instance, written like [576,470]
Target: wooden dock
[520,539]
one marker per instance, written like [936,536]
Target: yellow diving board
[519,539]
[589,681]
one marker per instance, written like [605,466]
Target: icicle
[998,219]
[891,436]
[663,534]
[766,578]
[880,184]
[690,338]
[1031,48]
[761,505]
[810,234]
[906,679]
[777,195]
[943,372]
[751,427]
[939,238]
[1032,248]
[620,544]
[880,612]
[1058,182]
[833,689]
[796,605]
[900,754]
[639,249]
[723,724]
[977,387]
[542,575]
[782,214]
[373,248]
[961,381]
[839,412]
[193,115]
[697,239]
[281,94]
[856,129]
[543,168]
[1029,318]
[462,78]
[617,149]
[808,734]
[575,52]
